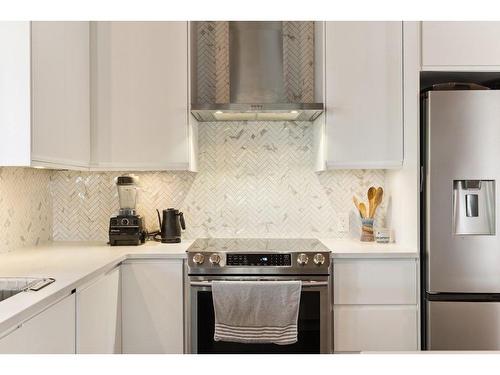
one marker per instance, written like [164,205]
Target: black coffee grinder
[127,228]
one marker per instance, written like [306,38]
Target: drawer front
[463,325]
[375,281]
[375,328]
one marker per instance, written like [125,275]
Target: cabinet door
[375,328]
[15,101]
[152,307]
[99,316]
[140,95]
[364,99]
[50,332]
[60,94]
[460,44]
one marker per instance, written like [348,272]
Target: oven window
[308,329]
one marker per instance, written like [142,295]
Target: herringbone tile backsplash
[25,207]
[255,179]
[213,55]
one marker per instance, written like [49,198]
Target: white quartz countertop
[350,248]
[73,264]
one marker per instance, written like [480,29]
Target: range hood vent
[257,112]
[255,71]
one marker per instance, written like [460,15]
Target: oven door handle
[305,284]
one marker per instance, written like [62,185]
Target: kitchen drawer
[375,281]
[463,325]
[375,328]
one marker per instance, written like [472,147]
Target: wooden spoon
[356,203]
[362,210]
[371,201]
[378,198]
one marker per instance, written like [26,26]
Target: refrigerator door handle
[421,178]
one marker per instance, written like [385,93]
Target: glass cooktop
[232,245]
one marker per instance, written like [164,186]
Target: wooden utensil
[378,198]
[371,201]
[362,210]
[356,203]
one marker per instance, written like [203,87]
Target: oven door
[314,322]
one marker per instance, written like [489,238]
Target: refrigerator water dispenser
[474,207]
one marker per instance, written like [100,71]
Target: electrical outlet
[343,222]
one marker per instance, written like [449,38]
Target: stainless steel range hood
[257,112]
[256,79]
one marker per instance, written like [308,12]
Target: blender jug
[127,194]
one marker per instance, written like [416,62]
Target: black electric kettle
[170,225]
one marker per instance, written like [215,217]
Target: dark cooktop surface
[231,245]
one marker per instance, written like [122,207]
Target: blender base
[126,230]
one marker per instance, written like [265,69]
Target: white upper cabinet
[140,114]
[460,45]
[60,93]
[15,91]
[364,94]
[44,94]
[98,95]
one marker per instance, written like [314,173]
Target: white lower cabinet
[375,305]
[52,331]
[375,328]
[98,315]
[375,282]
[152,306]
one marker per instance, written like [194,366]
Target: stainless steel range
[307,260]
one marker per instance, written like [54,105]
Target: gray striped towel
[256,311]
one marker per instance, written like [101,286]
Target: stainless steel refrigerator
[461,244]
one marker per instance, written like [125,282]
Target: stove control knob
[198,258]
[319,259]
[302,259]
[215,258]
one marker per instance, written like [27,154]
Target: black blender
[127,228]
